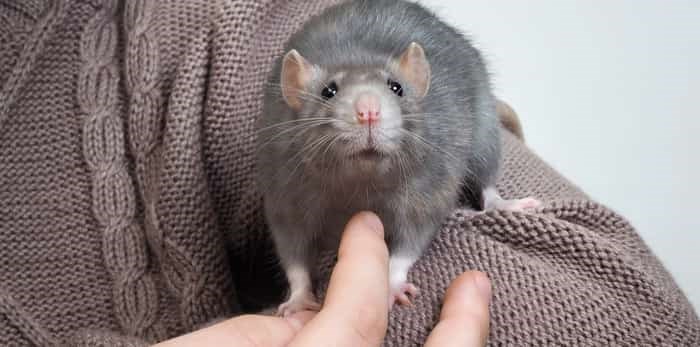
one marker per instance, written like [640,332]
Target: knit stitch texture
[129,213]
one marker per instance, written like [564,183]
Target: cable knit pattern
[114,200]
[141,70]
[141,67]
[128,212]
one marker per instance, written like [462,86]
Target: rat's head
[362,115]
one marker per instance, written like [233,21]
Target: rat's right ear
[296,73]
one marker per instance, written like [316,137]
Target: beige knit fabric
[128,212]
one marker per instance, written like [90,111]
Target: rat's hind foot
[297,303]
[402,294]
[517,205]
[492,200]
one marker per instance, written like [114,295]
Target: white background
[608,94]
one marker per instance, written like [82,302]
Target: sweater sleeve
[570,273]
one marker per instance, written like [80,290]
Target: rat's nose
[367,108]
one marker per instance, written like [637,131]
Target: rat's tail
[509,119]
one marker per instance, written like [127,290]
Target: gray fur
[310,195]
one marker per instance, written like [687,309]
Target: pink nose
[367,108]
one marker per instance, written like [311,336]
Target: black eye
[395,87]
[330,90]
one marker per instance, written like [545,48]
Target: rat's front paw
[298,303]
[402,294]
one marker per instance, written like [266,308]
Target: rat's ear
[296,73]
[414,67]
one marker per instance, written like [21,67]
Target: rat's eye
[395,87]
[329,91]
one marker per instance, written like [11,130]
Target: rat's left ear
[414,67]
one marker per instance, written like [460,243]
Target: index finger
[355,311]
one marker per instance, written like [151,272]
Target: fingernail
[373,222]
[299,319]
[295,323]
[483,285]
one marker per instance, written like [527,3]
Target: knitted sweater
[129,214]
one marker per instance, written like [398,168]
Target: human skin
[355,310]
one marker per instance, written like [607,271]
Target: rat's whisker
[329,166]
[330,145]
[300,128]
[409,115]
[403,169]
[301,125]
[301,120]
[428,144]
[307,149]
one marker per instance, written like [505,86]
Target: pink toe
[528,203]
[411,289]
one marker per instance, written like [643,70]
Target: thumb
[464,320]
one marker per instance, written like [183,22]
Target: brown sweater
[128,212]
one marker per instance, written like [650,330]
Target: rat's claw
[410,289]
[402,293]
[403,299]
[298,303]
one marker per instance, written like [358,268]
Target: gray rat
[377,105]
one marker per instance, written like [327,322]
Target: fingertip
[470,291]
[364,234]
[483,284]
[466,306]
[477,280]
[369,220]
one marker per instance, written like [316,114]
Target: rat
[376,105]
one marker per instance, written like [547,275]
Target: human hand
[355,310]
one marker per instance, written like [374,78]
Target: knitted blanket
[129,213]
